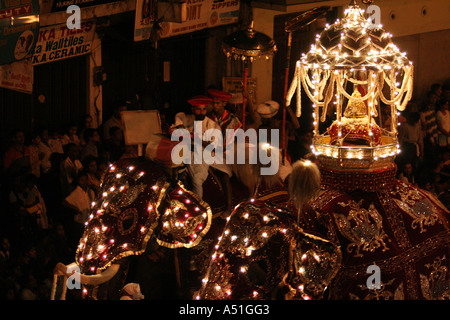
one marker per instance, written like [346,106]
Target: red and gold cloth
[379,220]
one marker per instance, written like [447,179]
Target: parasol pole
[248,45]
[286,76]
[244,100]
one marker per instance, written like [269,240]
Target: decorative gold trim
[201,234]
[144,242]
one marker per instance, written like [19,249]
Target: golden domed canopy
[355,64]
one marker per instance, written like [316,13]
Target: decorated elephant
[263,253]
[139,201]
[386,225]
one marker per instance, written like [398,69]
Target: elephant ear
[316,262]
[124,215]
[184,219]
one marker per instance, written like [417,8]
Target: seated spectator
[79,201]
[92,139]
[35,158]
[429,127]
[407,174]
[29,204]
[45,152]
[443,122]
[86,122]
[17,158]
[69,169]
[115,145]
[116,119]
[436,88]
[94,178]
[55,142]
[411,141]
[71,135]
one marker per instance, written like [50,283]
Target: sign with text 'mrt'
[200,14]
[58,42]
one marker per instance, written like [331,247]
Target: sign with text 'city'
[19,24]
[59,42]
[200,14]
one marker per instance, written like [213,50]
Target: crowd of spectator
[49,179]
[424,137]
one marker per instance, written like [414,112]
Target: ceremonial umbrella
[248,45]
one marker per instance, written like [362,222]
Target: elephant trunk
[93,280]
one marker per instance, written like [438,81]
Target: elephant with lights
[263,253]
[139,200]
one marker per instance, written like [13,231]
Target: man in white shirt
[199,171]
[80,200]
[115,120]
[70,168]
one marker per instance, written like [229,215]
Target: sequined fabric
[396,226]
[262,254]
[137,201]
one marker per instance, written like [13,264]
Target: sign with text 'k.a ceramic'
[59,42]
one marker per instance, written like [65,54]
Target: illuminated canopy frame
[353,54]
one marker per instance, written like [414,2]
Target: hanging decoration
[248,45]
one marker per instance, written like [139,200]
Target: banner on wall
[19,25]
[61,5]
[17,76]
[200,14]
[58,42]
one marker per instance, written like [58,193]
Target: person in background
[411,141]
[17,158]
[45,152]
[69,169]
[220,114]
[71,135]
[443,122]
[29,206]
[86,122]
[55,142]
[90,164]
[199,171]
[114,147]
[429,127]
[35,156]
[79,204]
[436,88]
[407,174]
[92,140]
[116,119]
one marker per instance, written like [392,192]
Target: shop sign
[17,76]
[19,24]
[200,14]
[62,5]
[59,42]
